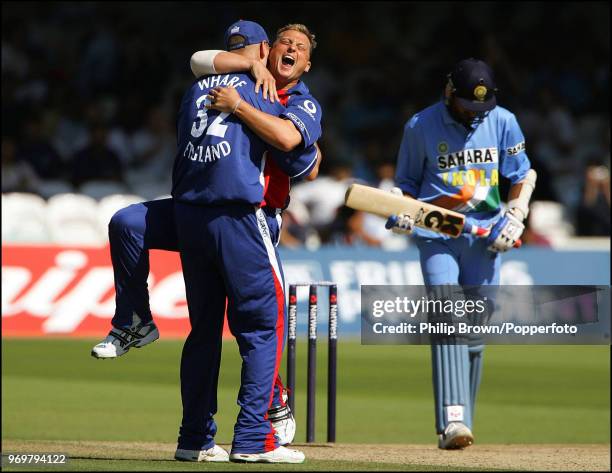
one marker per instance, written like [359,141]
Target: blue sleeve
[305,113]
[411,159]
[258,102]
[300,161]
[513,162]
[296,164]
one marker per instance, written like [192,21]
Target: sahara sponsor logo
[516,149]
[467,157]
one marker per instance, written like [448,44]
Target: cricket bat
[428,216]
[384,204]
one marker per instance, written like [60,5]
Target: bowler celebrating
[137,228]
[227,252]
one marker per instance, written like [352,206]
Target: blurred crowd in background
[90,92]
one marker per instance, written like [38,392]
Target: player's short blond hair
[236,39]
[302,29]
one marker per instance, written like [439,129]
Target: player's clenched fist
[224,99]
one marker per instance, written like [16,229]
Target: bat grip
[482,232]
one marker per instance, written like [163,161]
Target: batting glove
[402,224]
[505,233]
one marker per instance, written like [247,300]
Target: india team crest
[442,147]
[480,92]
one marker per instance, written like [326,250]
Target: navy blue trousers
[132,232]
[227,251]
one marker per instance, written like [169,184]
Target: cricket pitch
[542,457]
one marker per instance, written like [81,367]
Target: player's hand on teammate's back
[402,223]
[223,99]
[265,80]
[505,233]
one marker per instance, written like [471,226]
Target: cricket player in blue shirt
[227,252]
[452,154]
[150,225]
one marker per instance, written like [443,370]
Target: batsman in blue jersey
[452,155]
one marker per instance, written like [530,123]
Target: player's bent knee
[122,220]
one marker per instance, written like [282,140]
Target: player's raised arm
[202,62]
[215,61]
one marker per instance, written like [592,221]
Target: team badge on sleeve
[310,106]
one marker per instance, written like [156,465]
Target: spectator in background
[551,129]
[17,176]
[369,158]
[593,214]
[99,64]
[154,147]
[348,229]
[52,60]
[552,134]
[36,150]
[323,196]
[385,174]
[15,60]
[96,161]
[372,227]
[296,231]
[70,132]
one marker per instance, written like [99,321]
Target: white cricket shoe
[213,454]
[283,421]
[120,340]
[456,436]
[280,455]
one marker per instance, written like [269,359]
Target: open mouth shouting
[289,57]
[287,62]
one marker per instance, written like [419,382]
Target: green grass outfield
[54,390]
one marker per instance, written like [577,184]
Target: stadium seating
[50,187]
[100,189]
[110,204]
[24,218]
[150,190]
[73,220]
